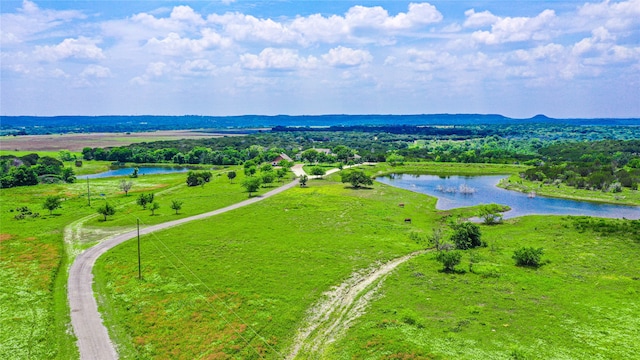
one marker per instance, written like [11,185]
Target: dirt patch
[77,142]
[340,307]
[4,237]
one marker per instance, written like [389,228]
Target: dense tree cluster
[601,165]
[32,169]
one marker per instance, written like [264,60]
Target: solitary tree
[144,200]
[268,177]
[106,210]
[528,256]
[252,184]
[125,186]
[266,168]
[395,159]
[51,203]
[318,171]
[466,235]
[153,207]
[231,175]
[449,260]
[303,180]
[356,178]
[176,205]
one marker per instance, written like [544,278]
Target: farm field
[76,142]
[246,285]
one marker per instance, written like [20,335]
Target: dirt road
[93,338]
[339,307]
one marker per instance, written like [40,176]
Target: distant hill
[118,123]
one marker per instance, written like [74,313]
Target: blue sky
[516,58]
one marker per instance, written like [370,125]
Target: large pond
[125,171]
[461,191]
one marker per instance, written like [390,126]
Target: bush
[466,236]
[449,259]
[528,256]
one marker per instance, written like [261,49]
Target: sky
[565,59]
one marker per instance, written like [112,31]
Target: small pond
[125,171]
[462,191]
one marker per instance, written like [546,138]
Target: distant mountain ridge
[124,123]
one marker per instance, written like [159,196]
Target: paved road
[93,338]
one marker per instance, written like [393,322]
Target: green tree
[251,184]
[106,210]
[268,177]
[528,256]
[356,178]
[449,259]
[195,178]
[303,180]
[51,203]
[125,186]
[395,159]
[466,235]
[281,173]
[491,215]
[176,205]
[266,168]
[231,175]
[145,199]
[153,207]
[317,171]
[310,155]
[250,171]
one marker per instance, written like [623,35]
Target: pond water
[461,191]
[125,171]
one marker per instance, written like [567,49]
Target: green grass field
[228,288]
[581,304]
[239,284]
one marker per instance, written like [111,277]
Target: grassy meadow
[223,288]
[581,304]
[238,285]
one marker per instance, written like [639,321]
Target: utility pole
[139,266]
[88,192]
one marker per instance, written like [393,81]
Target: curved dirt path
[93,338]
[336,311]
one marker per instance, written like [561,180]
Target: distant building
[281,157]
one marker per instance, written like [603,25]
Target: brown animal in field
[401,205]
[407,220]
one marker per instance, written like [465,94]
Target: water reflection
[483,190]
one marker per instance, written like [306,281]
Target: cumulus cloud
[481,19]
[342,56]
[508,29]
[616,15]
[248,27]
[174,44]
[80,48]
[278,59]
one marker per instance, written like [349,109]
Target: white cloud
[377,17]
[278,59]
[616,15]
[96,71]
[246,27]
[174,44]
[30,20]
[80,48]
[515,29]
[480,19]
[342,56]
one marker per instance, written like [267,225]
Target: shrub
[466,236]
[449,259]
[528,256]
